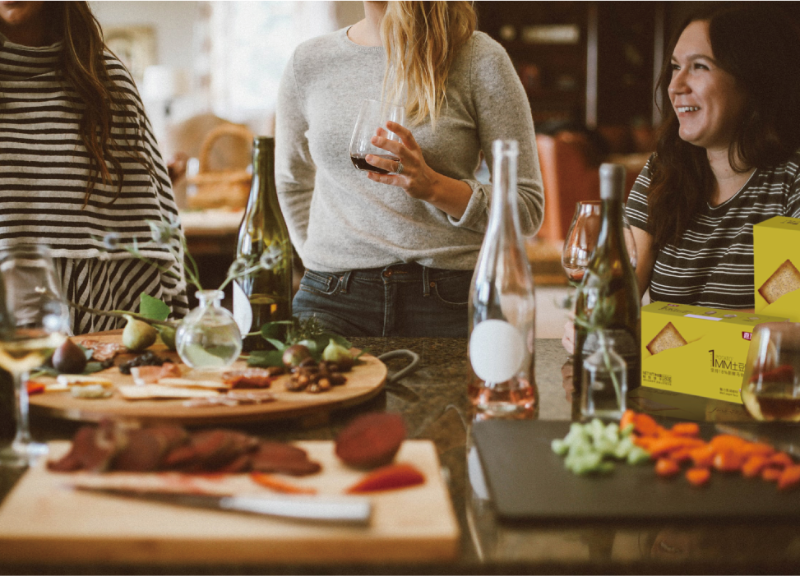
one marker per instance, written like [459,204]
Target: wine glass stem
[23,436]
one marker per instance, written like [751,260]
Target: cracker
[668,338]
[784,280]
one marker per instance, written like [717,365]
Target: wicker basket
[220,188]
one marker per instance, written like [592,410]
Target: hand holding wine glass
[33,322]
[373,117]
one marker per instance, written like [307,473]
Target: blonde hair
[421,41]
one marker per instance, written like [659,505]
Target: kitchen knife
[350,509]
[751,436]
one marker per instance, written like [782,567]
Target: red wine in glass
[361,163]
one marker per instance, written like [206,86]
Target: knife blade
[349,510]
[752,436]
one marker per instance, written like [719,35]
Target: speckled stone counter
[434,403]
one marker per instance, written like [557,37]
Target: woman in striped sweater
[727,156]
[77,159]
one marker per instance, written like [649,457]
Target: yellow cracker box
[698,351]
[776,251]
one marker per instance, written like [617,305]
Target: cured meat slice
[147,447]
[281,458]
[102,351]
[250,378]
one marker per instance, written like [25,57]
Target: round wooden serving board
[364,381]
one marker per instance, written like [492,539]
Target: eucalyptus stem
[607,360]
[122,314]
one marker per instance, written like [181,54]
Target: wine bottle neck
[262,190]
[503,210]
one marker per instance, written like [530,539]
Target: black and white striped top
[712,265]
[44,168]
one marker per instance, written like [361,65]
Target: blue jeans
[401,300]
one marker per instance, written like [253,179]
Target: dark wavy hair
[759,45]
[84,68]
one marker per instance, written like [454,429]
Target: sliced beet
[371,440]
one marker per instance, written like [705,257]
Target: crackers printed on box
[784,280]
[668,338]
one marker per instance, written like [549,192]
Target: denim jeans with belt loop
[400,300]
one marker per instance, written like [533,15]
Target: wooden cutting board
[364,381]
[528,481]
[41,521]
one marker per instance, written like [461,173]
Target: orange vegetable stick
[727,442]
[686,429]
[666,444]
[789,478]
[758,449]
[645,425]
[666,467]
[278,485]
[681,455]
[728,461]
[753,466]
[781,459]
[698,476]
[771,474]
[703,456]
[389,477]
[627,418]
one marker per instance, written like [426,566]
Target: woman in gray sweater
[393,254]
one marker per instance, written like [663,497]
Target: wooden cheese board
[43,520]
[364,381]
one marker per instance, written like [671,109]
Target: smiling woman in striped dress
[727,156]
[77,159]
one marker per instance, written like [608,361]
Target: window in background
[249,45]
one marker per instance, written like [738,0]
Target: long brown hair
[84,68]
[759,46]
[421,41]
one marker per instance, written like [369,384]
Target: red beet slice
[371,440]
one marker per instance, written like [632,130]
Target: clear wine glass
[582,236]
[373,116]
[34,321]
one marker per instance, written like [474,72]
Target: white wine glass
[34,321]
[582,237]
[373,115]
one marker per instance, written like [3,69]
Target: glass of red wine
[374,115]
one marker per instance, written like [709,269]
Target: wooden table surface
[434,405]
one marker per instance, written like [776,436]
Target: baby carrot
[698,476]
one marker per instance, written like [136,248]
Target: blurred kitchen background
[208,73]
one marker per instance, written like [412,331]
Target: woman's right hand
[568,339]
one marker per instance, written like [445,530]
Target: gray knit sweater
[339,219]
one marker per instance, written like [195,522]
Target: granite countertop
[434,403]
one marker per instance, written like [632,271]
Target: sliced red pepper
[34,387]
[389,477]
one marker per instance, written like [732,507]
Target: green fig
[338,355]
[138,335]
[167,334]
[69,358]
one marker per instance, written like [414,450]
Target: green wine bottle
[265,295]
[608,298]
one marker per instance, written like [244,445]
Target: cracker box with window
[776,251]
[695,350]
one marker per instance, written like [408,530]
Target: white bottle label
[496,350]
[242,310]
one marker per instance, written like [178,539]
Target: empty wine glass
[582,236]
[373,115]
[33,322]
